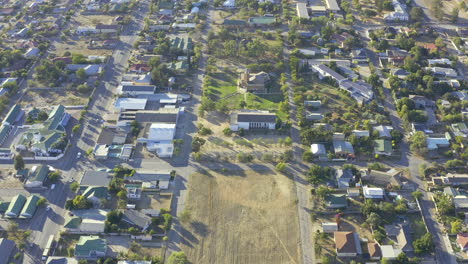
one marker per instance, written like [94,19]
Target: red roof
[345,242]
[140,67]
[462,240]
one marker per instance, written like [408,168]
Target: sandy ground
[79,47]
[7,179]
[45,98]
[242,217]
[155,200]
[94,20]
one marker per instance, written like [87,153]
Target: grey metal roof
[6,248]
[136,218]
[256,117]
[95,178]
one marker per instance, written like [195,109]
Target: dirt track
[245,218]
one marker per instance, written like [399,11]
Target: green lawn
[222,84]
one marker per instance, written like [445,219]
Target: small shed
[329,227]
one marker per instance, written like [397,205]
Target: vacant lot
[154,200]
[94,20]
[78,47]
[44,98]
[242,217]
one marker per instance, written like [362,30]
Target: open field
[154,200]
[242,217]
[94,20]
[79,47]
[46,98]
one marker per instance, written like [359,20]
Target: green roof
[182,43]
[166,5]
[16,204]
[12,114]
[234,22]
[40,174]
[73,222]
[87,244]
[4,132]
[55,117]
[99,192]
[30,206]
[264,20]
[383,145]
[4,206]
[336,200]
[180,65]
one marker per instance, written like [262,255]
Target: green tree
[307,156]
[425,244]
[456,227]
[373,220]
[19,162]
[454,15]
[81,74]
[178,258]
[440,42]
[418,143]
[42,201]
[322,192]
[417,195]
[281,167]
[417,13]
[54,176]
[74,186]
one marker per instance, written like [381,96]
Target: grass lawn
[222,84]
[417,225]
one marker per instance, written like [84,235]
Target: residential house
[459,130]
[341,147]
[353,192]
[247,120]
[233,23]
[359,56]
[462,241]
[318,10]
[301,9]
[336,201]
[229,4]
[373,192]
[435,62]
[95,178]
[442,72]
[401,235]
[90,221]
[90,247]
[13,116]
[113,29]
[184,44]
[318,150]
[16,204]
[30,207]
[159,138]
[95,193]
[31,53]
[313,104]
[383,147]
[384,131]
[329,227]
[451,179]
[89,69]
[253,82]
[139,68]
[332,6]
[374,251]
[394,57]
[400,73]
[344,177]
[61,260]
[389,252]
[130,104]
[347,244]
[398,14]
[135,90]
[37,176]
[6,249]
[360,133]
[152,180]
[134,191]
[460,201]
[437,143]
[314,116]
[136,219]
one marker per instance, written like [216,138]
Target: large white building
[399,14]
[253,120]
[159,139]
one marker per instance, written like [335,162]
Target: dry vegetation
[78,47]
[243,217]
[46,98]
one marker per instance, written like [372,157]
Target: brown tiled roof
[462,239]
[345,242]
[374,250]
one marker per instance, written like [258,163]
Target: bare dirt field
[46,98]
[448,5]
[94,20]
[79,47]
[8,180]
[241,217]
[155,200]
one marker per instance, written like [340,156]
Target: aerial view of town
[233,131]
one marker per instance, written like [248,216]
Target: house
[461,95]
[336,201]
[442,72]
[462,241]
[313,104]
[353,192]
[29,207]
[451,179]
[314,117]
[229,4]
[253,82]
[384,131]
[389,252]
[332,6]
[319,151]
[134,191]
[383,147]
[435,62]
[90,221]
[31,53]
[437,143]
[360,133]
[90,247]
[130,104]
[95,193]
[359,56]
[459,130]
[114,29]
[184,44]
[14,115]
[301,9]
[6,249]
[399,13]
[234,23]
[247,120]
[401,235]
[340,39]
[159,139]
[329,227]
[421,102]
[344,177]
[262,20]
[61,260]
[400,73]
[318,10]
[324,71]
[89,69]
[135,90]
[16,204]
[37,176]
[95,178]
[140,68]
[374,251]
[460,201]
[136,219]
[152,180]
[347,244]
[341,147]
[373,193]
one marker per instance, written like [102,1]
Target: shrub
[245,158]
[281,167]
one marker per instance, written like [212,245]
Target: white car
[78,155]
[52,186]
[48,208]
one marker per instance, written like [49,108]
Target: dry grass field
[78,47]
[242,217]
[45,98]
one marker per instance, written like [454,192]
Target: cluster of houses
[173,16]
[305,11]
[20,206]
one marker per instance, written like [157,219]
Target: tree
[322,192]
[456,227]
[83,88]
[417,195]
[307,156]
[74,186]
[418,143]
[80,202]
[424,244]
[373,220]
[81,74]
[122,194]
[42,116]
[54,176]
[42,201]
[440,43]
[288,141]
[178,258]
[281,167]
[19,162]
[416,13]
[454,15]
[76,128]
[114,217]
[167,221]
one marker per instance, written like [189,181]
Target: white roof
[318,149]
[434,143]
[460,201]
[389,252]
[161,132]
[131,103]
[372,192]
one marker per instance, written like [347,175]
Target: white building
[399,14]
[159,139]
[253,120]
[123,104]
[229,4]
[373,193]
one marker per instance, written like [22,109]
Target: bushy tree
[425,244]
[178,258]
